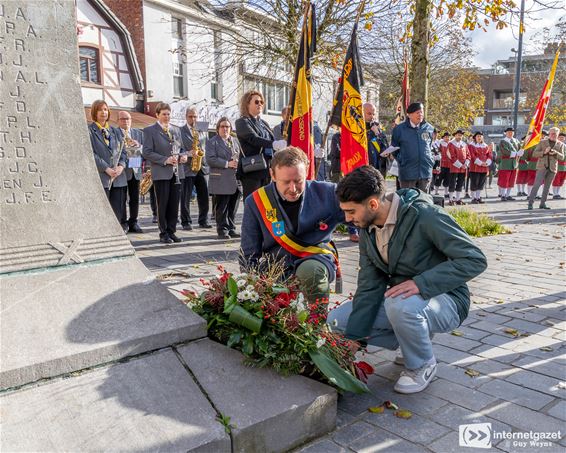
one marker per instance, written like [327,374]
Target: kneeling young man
[414,264]
[292,219]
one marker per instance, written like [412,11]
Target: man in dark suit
[159,142]
[133,140]
[193,179]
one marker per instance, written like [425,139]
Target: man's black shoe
[233,234]
[135,228]
[187,227]
[223,236]
[175,238]
[510,198]
[166,240]
[204,225]
[154,219]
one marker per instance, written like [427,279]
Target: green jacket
[506,147]
[427,246]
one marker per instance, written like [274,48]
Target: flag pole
[293,85]
[334,100]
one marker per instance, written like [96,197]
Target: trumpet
[198,153]
[146,183]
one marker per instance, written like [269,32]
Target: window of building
[501,120]
[478,121]
[505,100]
[177,28]
[178,79]
[89,64]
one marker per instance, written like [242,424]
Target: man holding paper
[413,138]
[509,149]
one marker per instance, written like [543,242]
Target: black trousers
[199,182]
[167,195]
[468,181]
[152,200]
[456,181]
[443,178]
[250,185]
[117,198]
[477,180]
[226,207]
[133,202]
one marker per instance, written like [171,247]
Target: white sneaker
[413,381]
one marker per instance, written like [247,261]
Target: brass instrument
[198,153]
[175,151]
[146,183]
[115,160]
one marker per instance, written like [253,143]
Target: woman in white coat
[221,154]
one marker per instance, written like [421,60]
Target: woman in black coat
[256,138]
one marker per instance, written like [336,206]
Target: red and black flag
[300,130]
[348,111]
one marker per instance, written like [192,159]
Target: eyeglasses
[258,102]
[225,126]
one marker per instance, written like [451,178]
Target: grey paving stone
[525,419]
[459,376]
[552,366]
[532,327]
[516,394]
[450,355]
[558,410]
[495,369]
[460,343]
[453,416]
[538,382]
[416,429]
[460,395]
[472,333]
[270,412]
[146,404]
[350,433]
[495,353]
[322,446]
[343,419]
[383,441]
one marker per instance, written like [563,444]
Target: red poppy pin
[322,226]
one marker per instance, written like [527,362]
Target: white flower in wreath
[243,295]
[241,283]
[250,288]
[254,297]
[240,276]
[320,343]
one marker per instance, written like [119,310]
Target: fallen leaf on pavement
[376,409]
[546,349]
[510,331]
[403,413]
[457,333]
[472,373]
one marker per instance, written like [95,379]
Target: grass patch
[477,224]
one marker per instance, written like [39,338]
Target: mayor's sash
[265,201]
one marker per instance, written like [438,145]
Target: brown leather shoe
[355,237]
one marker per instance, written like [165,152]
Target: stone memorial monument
[95,354]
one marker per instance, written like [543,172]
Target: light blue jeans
[407,323]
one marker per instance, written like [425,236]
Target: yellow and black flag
[300,130]
[348,111]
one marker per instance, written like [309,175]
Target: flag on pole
[404,99]
[300,130]
[348,112]
[535,128]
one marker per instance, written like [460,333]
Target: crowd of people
[414,258]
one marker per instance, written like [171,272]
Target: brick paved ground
[522,379]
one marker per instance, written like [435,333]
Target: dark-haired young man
[414,264]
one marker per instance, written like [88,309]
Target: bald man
[377,142]
[133,171]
